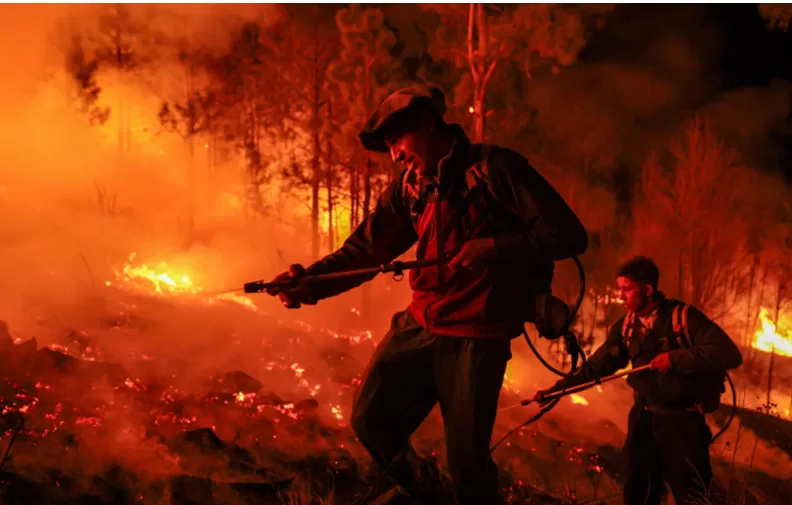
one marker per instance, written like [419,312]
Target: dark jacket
[531,223]
[697,371]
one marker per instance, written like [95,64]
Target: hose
[572,347]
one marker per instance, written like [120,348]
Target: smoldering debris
[135,397]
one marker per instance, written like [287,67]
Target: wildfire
[160,278]
[164,280]
[768,339]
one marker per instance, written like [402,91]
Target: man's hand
[297,292]
[540,399]
[662,362]
[474,254]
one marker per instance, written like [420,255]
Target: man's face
[412,149]
[634,295]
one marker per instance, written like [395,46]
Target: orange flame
[161,279]
[578,400]
[768,339]
[164,280]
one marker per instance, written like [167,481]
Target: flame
[578,400]
[161,279]
[165,280]
[768,339]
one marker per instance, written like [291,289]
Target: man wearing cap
[501,226]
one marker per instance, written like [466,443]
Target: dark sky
[732,45]
[734,36]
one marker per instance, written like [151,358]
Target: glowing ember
[578,400]
[768,339]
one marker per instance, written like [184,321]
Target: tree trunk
[192,124]
[190,188]
[482,65]
[330,210]
[353,195]
[748,335]
[316,172]
[329,175]
[760,302]
[779,298]
[594,318]
[119,67]
[365,291]
[367,185]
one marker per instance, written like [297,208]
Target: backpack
[712,383]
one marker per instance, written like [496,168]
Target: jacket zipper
[440,252]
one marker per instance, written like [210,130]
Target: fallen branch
[11,444]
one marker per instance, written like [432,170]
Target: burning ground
[244,407]
[125,379]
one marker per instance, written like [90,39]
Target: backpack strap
[477,189]
[679,322]
[627,328]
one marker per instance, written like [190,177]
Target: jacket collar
[457,159]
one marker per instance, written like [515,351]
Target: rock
[208,443]
[6,342]
[307,405]
[49,359]
[234,382]
[115,486]
[25,350]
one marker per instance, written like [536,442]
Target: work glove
[539,396]
[297,292]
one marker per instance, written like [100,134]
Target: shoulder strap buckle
[679,322]
[627,327]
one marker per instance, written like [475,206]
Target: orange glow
[768,339]
[578,400]
[163,280]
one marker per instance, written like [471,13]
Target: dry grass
[303,494]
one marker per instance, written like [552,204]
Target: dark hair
[641,269]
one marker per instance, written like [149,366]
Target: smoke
[644,76]
[77,206]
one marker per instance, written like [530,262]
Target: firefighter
[667,436]
[499,226]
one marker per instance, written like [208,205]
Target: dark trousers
[666,447]
[411,371]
